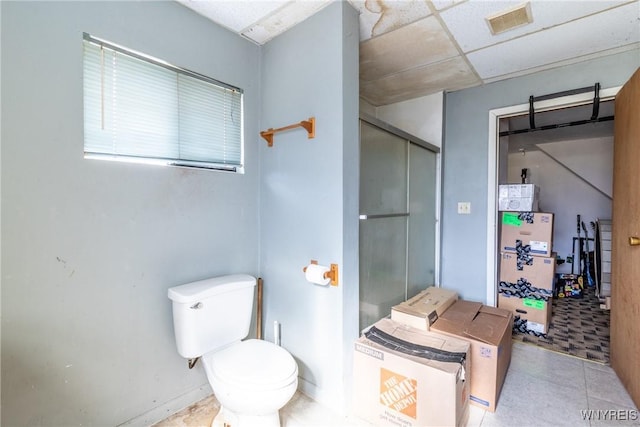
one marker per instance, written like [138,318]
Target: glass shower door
[383,222]
[423,168]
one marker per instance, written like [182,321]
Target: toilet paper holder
[332,274]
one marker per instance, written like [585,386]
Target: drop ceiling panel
[443,4]
[282,19]
[562,32]
[468,25]
[453,73]
[597,33]
[420,43]
[378,17]
[235,15]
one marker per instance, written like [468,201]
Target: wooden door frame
[492,167]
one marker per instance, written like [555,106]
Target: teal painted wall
[89,247]
[465,154]
[309,198]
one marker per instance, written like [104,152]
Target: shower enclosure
[398,217]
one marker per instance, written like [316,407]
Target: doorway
[572,166]
[561,163]
[398,217]
[493,169]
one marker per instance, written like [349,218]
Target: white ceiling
[412,48]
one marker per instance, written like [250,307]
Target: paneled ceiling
[413,48]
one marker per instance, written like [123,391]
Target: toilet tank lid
[194,291]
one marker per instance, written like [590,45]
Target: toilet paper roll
[315,274]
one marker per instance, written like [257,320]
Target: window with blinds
[141,109]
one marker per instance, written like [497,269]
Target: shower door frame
[412,139]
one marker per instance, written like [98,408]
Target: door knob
[634,241]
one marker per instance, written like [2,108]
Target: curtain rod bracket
[308,125]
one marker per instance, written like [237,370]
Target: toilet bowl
[252,380]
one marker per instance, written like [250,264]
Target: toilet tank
[211,313]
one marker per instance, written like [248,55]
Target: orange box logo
[398,393]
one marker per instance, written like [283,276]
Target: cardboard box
[518,197]
[537,270]
[424,308]
[488,330]
[532,229]
[392,388]
[537,313]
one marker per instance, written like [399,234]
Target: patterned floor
[578,327]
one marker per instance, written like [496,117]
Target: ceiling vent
[509,19]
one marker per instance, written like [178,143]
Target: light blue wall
[307,187]
[350,199]
[89,248]
[464,237]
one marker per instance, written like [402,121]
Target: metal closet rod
[594,115]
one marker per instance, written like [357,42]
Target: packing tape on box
[524,289]
[526,217]
[524,256]
[393,343]
[520,325]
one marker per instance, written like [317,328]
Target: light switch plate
[464,208]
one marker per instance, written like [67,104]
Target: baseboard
[169,408]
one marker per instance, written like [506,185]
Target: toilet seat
[254,364]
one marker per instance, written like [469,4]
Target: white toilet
[251,379]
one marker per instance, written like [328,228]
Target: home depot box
[488,330]
[536,312]
[424,308]
[527,273]
[518,197]
[531,232]
[427,387]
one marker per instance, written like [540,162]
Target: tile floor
[542,388]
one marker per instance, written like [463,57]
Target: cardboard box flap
[475,320]
[495,311]
[462,311]
[445,353]
[489,328]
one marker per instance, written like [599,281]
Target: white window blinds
[138,108]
